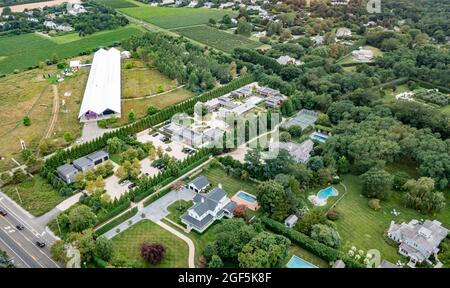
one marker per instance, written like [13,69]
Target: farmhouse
[208,208]
[418,240]
[102,95]
[299,152]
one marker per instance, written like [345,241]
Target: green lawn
[217,175]
[177,209]
[117,3]
[128,244]
[363,227]
[27,50]
[168,17]
[305,255]
[349,58]
[216,38]
[37,196]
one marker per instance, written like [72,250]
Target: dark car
[155,134]
[3,212]
[20,227]
[132,185]
[40,244]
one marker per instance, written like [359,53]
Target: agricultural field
[116,4]
[169,18]
[27,50]
[35,195]
[218,39]
[30,94]
[364,228]
[142,81]
[128,244]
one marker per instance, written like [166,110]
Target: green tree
[295,130]
[5,262]
[104,248]
[215,262]
[244,28]
[131,116]
[309,219]
[18,176]
[422,196]
[231,235]
[326,235]
[58,251]
[273,200]
[81,218]
[26,121]
[376,183]
[68,136]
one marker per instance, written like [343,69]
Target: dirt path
[55,112]
[153,95]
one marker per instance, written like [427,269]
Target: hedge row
[110,225]
[114,212]
[323,251]
[156,196]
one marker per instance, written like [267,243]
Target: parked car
[3,212]
[40,244]
[132,185]
[155,134]
[20,227]
[124,183]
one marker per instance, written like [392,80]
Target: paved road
[20,245]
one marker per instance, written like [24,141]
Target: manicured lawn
[177,209]
[27,50]
[390,94]
[37,196]
[218,176]
[349,58]
[128,244]
[216,38]
[363,227]
[168,17]
[140,82]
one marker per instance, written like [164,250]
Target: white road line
[12,250]
[22,221]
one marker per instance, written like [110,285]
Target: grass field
[216,38]
[306,255]
[175,212]
[168,18]
[37,196]
[128,244]
[27,50]
[349,58]
[140,82]
[363,227]
[117,3]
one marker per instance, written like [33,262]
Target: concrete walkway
[191,258]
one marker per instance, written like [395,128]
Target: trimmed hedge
[110,225]
[114,212]
[156,196]
[321,250]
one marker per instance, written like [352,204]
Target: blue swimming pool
[297,262]
[319,137]
[327,192]
[246,197]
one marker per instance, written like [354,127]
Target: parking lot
[114,189]
[175,147]
[147,169]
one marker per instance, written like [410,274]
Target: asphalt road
[21,246]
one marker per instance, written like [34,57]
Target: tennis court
[303,118]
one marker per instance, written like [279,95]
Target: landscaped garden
[129,242]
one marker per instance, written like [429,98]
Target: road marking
[21,220]
[24,250]
[32,243]
[12,250]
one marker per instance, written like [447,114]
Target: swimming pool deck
[316,200]
[254,206]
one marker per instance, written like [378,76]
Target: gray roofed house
[83,163]
[267,92]
[199,184]
[275,101]
[90,161]
[207,208]
[418,240]
[299,152]
[67,173]
[242,92]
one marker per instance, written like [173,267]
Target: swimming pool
[319,137]
[321,198]
[246,197]
[297,262]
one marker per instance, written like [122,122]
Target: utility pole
[18,194]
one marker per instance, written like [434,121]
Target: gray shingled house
[67,173]
[90,161]
[208,208]
[418,240]
[199,184]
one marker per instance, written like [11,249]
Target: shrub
[333,215]
[18,176]
[374,204]
[26,121]
[153,252]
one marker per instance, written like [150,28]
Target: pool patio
[320,199]
[297,262]
[241,199]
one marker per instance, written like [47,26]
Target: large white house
[208,208]
[418,240]
[102,95]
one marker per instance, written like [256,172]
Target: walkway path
[55,112]
[191,260]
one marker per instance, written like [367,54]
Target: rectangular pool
[319,137]
[297,262]
[246,197]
